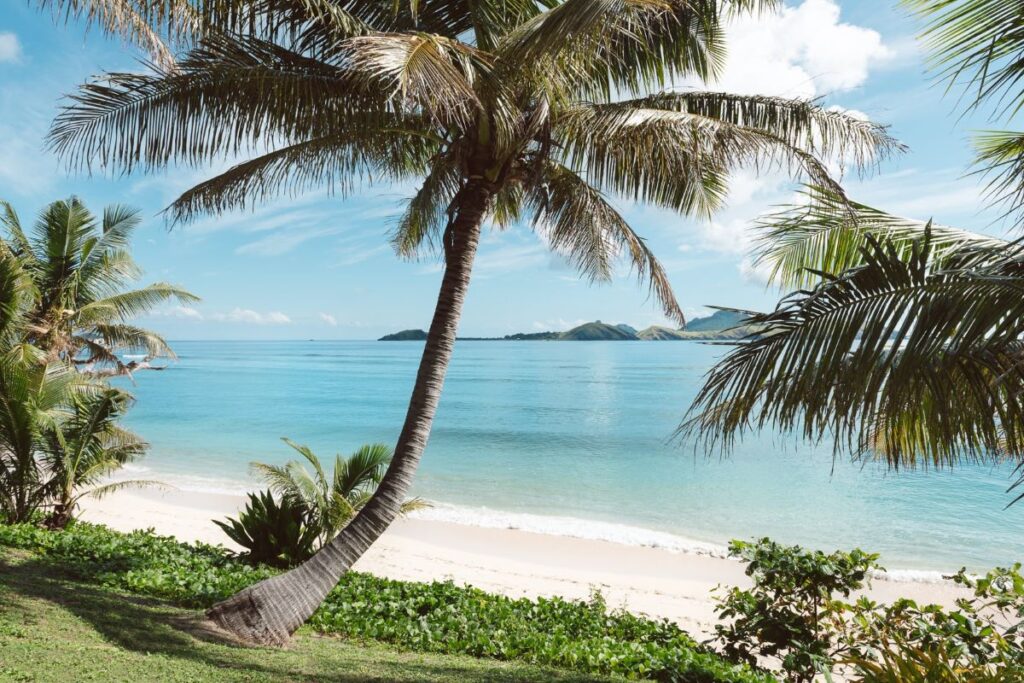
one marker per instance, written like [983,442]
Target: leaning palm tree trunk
[270,611]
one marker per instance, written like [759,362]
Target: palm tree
[331,501]
[86,448]
[78,270]
[509,111]
[33,395]
[906,343]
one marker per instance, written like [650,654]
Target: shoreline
[653,581]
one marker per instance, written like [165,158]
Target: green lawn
[55,629]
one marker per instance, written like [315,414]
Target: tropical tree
[511,111]
[331,501]
[907,343]
[86,448]
[78,270]
[33,398]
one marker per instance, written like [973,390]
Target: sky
[318,266]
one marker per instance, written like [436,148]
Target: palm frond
[895,358]
[155,26]
[131,338]
[16,237]
[579,223]
[228,97]
[1000,158]
[828,233]
[593,48]
[336,163]
[307,453]
[127,305]
[419,72]
[674,159]
[113,487]
[361,470]
[428,211]
[826,133]
[414,504]
[978,44]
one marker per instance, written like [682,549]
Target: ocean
[571,438]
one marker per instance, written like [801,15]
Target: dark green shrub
[436,617]
[792,612]
[273,533]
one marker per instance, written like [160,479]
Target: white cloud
[10,47]
[353,255]
[283,241]
[802,51]
[246,315]
[186,312]
[329,319]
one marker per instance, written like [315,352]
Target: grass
[53,628]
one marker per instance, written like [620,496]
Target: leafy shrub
[792,612]
[980,640]
[273,533]
[436,617]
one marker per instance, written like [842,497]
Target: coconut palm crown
[503,112]
[78,271]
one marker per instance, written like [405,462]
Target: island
[721,325]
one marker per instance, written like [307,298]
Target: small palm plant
[87,448]
[331,501]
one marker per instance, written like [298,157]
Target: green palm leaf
[828,233]
[897,358]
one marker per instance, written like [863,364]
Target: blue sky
[317,266]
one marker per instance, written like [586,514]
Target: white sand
[515,563]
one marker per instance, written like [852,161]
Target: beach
[652,581]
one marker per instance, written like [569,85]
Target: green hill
[720,325]
[405,335]
[658,333]
[716,322]
[597,331]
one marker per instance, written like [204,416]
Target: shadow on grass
[147,626]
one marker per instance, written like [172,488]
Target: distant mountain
[405,335]
[720,325]
[658,333]
[533,336]
[599,331]
[716,322]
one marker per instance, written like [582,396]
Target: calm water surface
[561,430]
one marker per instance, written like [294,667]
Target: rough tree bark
[268,612]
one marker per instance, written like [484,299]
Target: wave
[549,525]
[190,483]
[571,527]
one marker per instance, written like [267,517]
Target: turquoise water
[571,438]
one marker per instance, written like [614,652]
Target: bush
[435,617]
[981,640]
[275,533]
[792,612]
